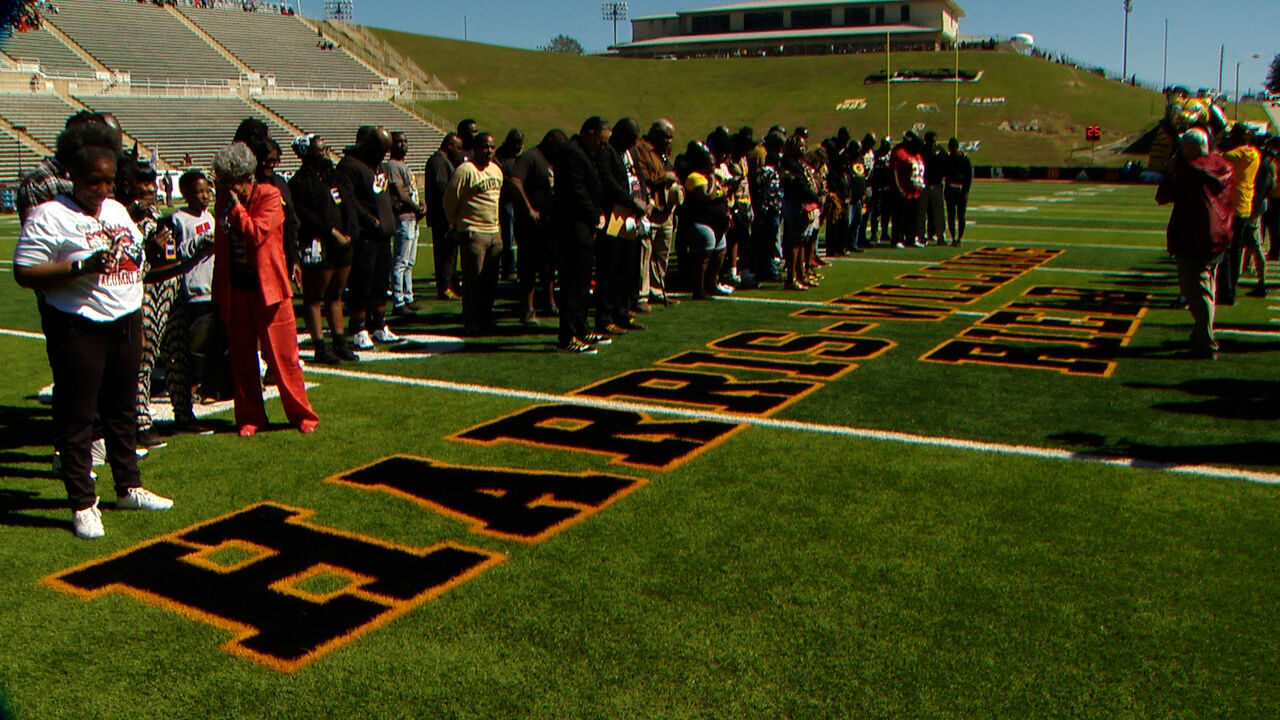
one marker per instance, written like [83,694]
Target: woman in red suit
[252,291]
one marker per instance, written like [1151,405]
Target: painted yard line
[1063,228]
[1070,245]
[22,334]
[815,428]
[774,301]
[1250,333]
[1042,268]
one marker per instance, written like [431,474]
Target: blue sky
[1090,30]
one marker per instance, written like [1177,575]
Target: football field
[975,482]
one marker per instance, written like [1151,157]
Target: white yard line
[808,427]
[1002,226]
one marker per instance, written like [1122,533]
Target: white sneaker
[88,522]
[142,499]
[384,335]
[725,288]
[99,452]
[362,341]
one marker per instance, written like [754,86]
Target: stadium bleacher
[337,121]
[15,158]
[43,116]
[183,96]
[177,126]
[281,45]
[55,58]
[145,40]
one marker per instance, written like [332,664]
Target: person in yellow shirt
[471,205]
[1244,160]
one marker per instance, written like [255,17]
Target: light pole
[1124,72]
[614,10]
[1254,56]
[1164,72]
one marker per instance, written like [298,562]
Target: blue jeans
[405,249]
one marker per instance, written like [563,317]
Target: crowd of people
[595,229]
[1226,207]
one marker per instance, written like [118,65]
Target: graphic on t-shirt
[124,255]
[379,182]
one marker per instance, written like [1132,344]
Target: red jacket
[1200,191]
[908,172]
[260,222]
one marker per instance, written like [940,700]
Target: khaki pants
[1197,281]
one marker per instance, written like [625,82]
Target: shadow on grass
[15,503]
[1262,453]
[1226,398]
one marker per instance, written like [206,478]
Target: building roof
[955,8]
[832,32]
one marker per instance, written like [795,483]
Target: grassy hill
[506,87]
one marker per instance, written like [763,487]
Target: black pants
[1229,268]
[369,280]
[907,221]
[957,203]
[537,259]
[611,256]
[95,373]
[575,254]
[886,207]
[444,252]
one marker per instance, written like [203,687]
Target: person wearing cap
[1245,161]
[1198,184]
[325,202]
[578,215]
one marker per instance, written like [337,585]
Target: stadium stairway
[209,40]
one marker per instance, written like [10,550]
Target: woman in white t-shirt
[83,254]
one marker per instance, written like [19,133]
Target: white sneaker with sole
[362,341]
[142,499]
[384,335]
[88,522]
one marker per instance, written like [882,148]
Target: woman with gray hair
[252,291]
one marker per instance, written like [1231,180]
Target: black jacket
[372,200]
[438,172]
[319,213]
[613,181]
[578,190]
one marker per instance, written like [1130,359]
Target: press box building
[795,27]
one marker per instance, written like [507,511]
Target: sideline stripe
[1065,228]
[818,428]
[22,334]
[1041,268]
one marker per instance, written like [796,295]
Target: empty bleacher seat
[283,46]
[337,121]
[177,126]
[43,116]
[142,39]
[55,58]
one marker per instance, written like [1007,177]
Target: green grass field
[507,87]
[1085,528]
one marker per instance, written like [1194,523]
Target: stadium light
[1254,56]
[614,11]
[1124,72]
